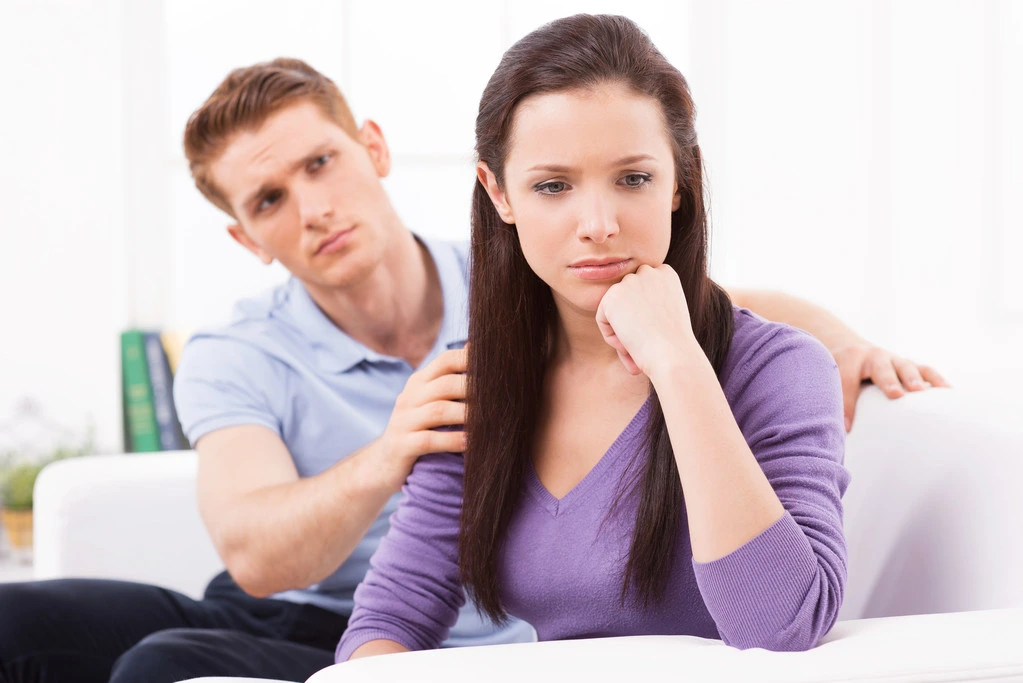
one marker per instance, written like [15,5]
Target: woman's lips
[336,242]
[601,271]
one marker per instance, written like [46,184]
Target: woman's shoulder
[784,390]
[768,354]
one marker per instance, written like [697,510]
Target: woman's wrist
[678,364]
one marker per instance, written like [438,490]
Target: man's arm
[858,360]
[276,531]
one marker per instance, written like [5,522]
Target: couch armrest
[973,646]
[933,510]
[131,517]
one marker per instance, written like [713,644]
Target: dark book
[161,383]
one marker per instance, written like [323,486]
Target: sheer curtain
[860,154]
[863,155]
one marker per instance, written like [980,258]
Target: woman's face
[589,183]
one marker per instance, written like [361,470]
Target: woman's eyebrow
[633,158]
[558,168]
[553,168]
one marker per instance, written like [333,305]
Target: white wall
[866,163]
[863,155]
[62,260]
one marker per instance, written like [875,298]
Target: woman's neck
[578,340]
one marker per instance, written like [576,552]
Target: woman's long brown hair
[512,314]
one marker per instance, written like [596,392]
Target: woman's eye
[636,179]
[553,187]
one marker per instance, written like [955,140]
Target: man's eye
[319,162]
[268,200]
[635,179]
[553,187]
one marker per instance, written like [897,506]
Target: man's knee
[163,657]
[28,613]
[39,635]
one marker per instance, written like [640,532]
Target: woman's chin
[583,299]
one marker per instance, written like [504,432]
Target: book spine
[138,395]
[160,380]
[125,420]
[173,342]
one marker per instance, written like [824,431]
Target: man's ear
[236,231]
[497,195]
[372,138]
[676,200]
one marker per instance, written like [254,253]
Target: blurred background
[861,154]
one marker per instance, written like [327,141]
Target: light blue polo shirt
[281,363]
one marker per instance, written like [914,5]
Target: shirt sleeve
[412,592]
[223,382]
[782,590]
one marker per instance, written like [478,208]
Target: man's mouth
[334,241]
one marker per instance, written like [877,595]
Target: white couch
[934,519]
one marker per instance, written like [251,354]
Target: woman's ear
[676,199]
[497,195]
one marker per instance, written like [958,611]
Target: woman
[642,456]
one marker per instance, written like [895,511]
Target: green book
[139,413]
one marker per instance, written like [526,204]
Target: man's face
[308,195]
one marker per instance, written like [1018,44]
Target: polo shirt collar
[454,282]
[336,352]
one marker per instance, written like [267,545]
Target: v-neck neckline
[556,506]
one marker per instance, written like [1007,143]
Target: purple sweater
[562,563]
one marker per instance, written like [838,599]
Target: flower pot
[18,524]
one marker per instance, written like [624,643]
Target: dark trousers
[88,630]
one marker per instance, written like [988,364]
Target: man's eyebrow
[265,187]
[557,168]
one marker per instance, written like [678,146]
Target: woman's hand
[645,318]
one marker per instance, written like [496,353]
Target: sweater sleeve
[412,592]
[782,590]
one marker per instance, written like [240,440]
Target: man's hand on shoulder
[433,397]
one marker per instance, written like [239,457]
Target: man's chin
[345,273]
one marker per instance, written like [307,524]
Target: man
[309,409]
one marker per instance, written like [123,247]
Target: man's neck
[398,310]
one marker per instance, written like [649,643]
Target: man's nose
[598,220]
[315,208]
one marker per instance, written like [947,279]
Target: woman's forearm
[377,647]
[763,502]
[729,499]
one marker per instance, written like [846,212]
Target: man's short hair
[244,101]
